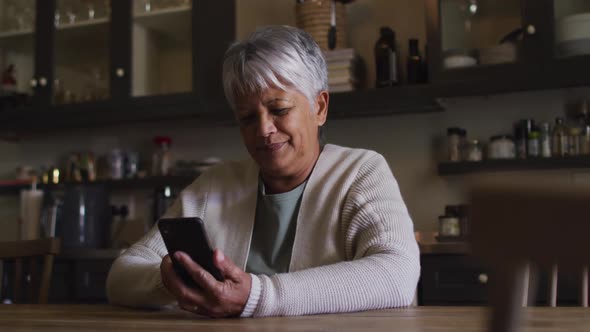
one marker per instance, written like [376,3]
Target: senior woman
[299,228]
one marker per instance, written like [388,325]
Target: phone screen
[188,235]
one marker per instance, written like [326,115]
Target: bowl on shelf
[573,27]
[573,47]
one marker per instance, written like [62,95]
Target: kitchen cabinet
[458,279]
[93,62]
[464,44]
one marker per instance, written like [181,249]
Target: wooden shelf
[511,165]
[124,184]
[174,23]
[83,24]
[16,33]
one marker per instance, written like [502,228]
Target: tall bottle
[414,65]
[559,139]
[386,59]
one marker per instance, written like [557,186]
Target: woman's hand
[214,298]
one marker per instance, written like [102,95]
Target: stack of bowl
[313,16]
[573,35]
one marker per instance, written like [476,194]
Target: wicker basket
[313,16]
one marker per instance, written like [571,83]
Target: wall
[412,144]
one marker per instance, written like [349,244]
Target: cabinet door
[17,46]
[162,49]
[467,37]
[81,51]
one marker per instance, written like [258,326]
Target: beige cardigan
[354,245]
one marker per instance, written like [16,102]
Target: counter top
[90,318]
[430,245]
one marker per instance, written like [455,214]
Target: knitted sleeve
[383,266]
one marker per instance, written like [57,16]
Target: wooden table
[108,318]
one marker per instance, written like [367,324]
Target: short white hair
[274,57]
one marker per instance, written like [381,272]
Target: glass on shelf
[17,15]
[82,71]
[572,27]
[148,6]
[480,32]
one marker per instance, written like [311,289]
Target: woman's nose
[266,125]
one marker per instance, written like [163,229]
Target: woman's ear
[321,105]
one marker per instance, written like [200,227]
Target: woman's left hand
[215,298]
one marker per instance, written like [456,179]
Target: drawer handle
[482,278]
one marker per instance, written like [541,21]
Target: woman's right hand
[212,298]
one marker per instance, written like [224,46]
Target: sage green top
[274,231]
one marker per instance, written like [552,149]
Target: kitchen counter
[430,245]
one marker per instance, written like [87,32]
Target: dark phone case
[188,235]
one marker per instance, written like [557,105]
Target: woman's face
[280,130]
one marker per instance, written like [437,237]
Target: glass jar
[545,140]
[449,226]
[502,147]
[473,151]
[559,139]
[455,138]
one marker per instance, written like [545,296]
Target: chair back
[521,223]
[28,285]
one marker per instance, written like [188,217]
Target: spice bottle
[533,145]
[559,139]
[386,59]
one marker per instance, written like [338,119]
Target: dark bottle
[425,69]
[414,65]
[386,59]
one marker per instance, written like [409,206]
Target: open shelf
[508,165]
[173,23]
[16,33]
[13,187]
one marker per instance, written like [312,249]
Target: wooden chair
[30,250]
[514,224]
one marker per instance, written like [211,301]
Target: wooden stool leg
[18,274]
[584,288]
[525,286]
[45,279]
[506,294]
[32,279]
[553,286]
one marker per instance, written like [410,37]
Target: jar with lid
[473,151]
[161,160]
[455,139]
[501,147]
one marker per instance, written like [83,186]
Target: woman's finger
[201,276]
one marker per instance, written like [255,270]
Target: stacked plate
[502,53]
[573,35]
[314,16]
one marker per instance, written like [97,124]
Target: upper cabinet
[509,45]
[17,45]
[88,62]
[162,61]
[81,51]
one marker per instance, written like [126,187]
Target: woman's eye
[280,111]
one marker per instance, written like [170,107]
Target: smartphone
[188,235]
